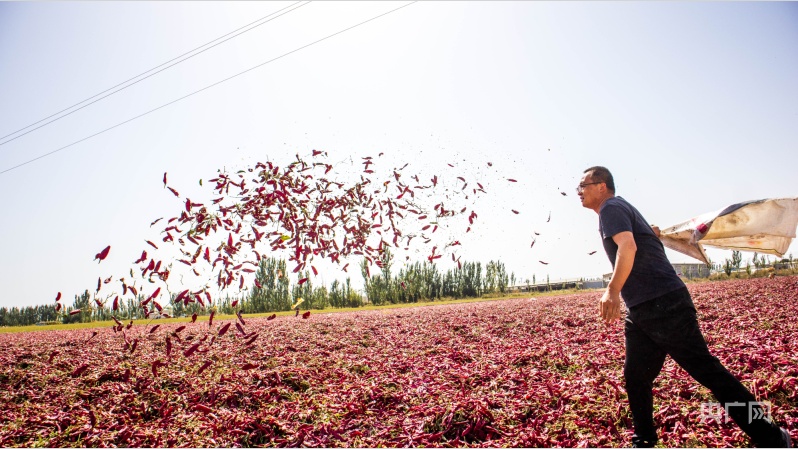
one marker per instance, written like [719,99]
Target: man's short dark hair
[601,174]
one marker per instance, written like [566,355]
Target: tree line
[273,291]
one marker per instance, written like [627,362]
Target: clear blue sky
[693,106]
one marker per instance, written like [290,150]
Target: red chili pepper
[103,254]
[199,371]
[201,407]
[188,352]
[79,370]
[155,366]
[142,258]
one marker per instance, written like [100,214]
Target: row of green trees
[274,292]
[423,281]
[759,262]
[89,311]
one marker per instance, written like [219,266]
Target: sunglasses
[581,187]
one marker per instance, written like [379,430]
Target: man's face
[590,192]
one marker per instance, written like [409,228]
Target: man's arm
[610,304]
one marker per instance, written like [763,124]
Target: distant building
[594,283]
[691,270]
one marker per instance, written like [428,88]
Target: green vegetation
[762,267]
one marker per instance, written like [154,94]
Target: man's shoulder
[615,203]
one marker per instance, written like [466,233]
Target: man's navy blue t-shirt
[652,274]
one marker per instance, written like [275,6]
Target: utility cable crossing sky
[205,88]
[151,72]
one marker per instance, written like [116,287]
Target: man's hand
[655,228]
[610,306]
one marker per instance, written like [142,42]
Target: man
[660,318]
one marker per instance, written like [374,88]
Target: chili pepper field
[521,372]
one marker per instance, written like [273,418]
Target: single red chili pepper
[188,352]
[79,370]
[103,254]
[200,370]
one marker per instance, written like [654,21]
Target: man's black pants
[667,325]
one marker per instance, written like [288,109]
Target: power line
[206,88]
[154,73]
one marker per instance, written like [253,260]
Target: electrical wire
[151,74]
[207,87]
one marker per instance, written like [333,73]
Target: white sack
[765,226]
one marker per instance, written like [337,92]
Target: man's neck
[597,209]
